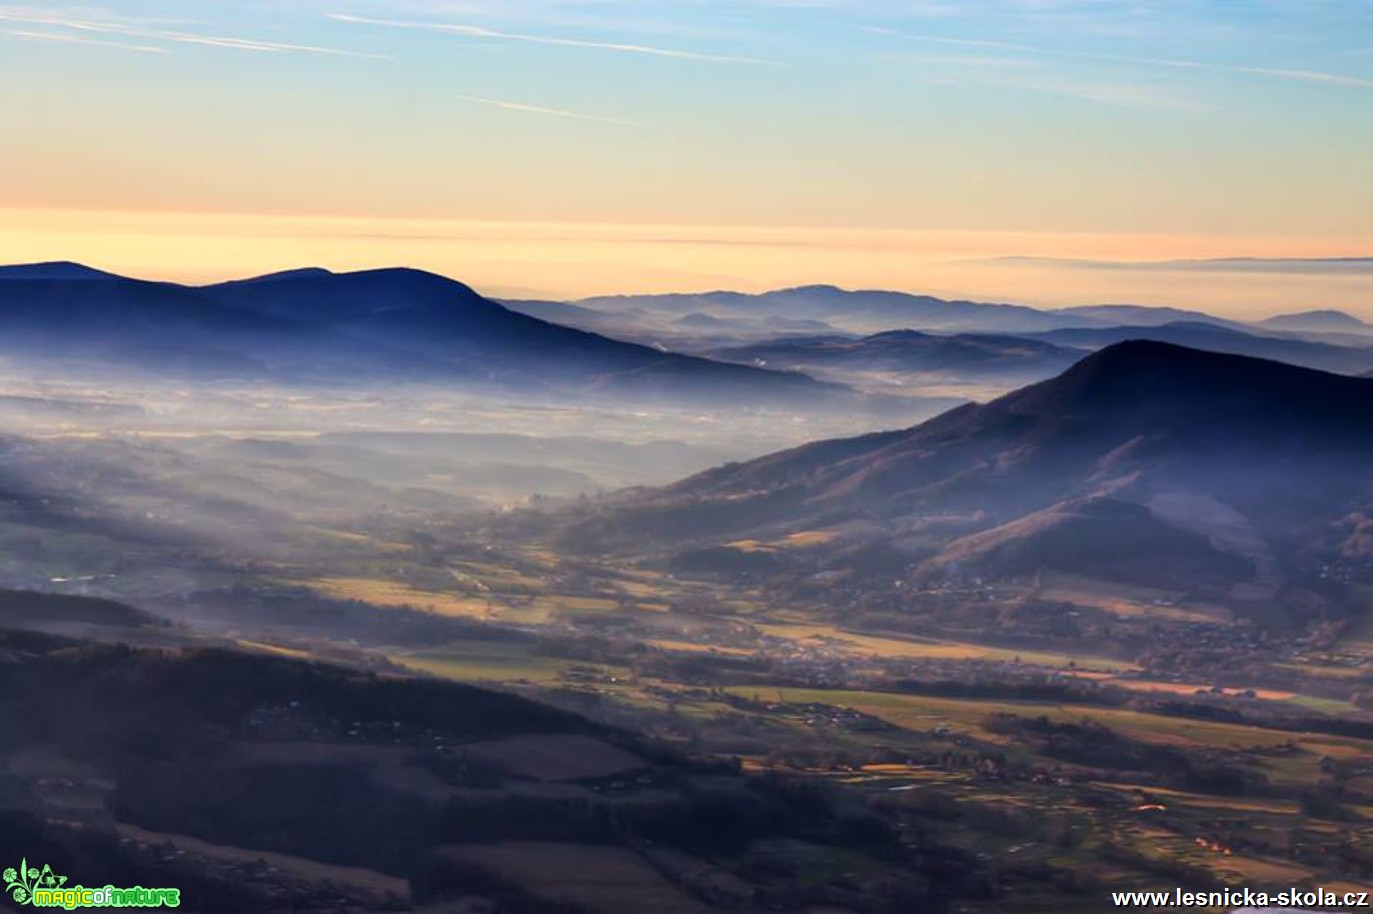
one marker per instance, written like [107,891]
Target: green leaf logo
[20,883]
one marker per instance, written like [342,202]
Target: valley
[1054,768]
[1079,637]
[713,457]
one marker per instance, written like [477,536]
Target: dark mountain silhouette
[301,273]
[70,311]
[355,790]
[395,324]
[1143,461]
[458,329]
[1306,353]
[21,609]
[912,352]
[64,270]
[1318,322]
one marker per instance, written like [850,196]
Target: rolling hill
[67,311]
[911,352]
[1318,322]
[1145,461]
[319,327]
[771,326]
[1294,351]
[862,311]
[350,788]
[53,271]
[1144,315]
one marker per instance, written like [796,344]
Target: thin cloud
[1124,95]
[76,39]
[1110,94]
[476,31]
[969,60]
[135,31]
[1308,76]
[539,109]
[1022,73]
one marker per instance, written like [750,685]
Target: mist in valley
[601,458]
[250,471]
[496,563]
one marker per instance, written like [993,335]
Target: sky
[561,148]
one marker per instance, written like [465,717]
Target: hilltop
[1145,461]
[375,326]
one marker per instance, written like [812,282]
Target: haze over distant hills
[1145,316]
[1143,462]
[896,343]
[398,325]
[864,312]
[390,325]
[911,352]
[1030,594]
[1318,322]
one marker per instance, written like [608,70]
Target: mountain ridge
[1252,464]
[850,309]
[54,269]
[1318,321]
[1126,377]
[317,325]
[1232,340]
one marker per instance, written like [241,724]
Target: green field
[896,647]
[924,713]
[485,661]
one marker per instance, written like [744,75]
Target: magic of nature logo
[42,888]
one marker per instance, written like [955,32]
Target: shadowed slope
[1144,458]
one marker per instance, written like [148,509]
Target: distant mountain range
[818,310]
[857,311]
[924,357]
[391,325]
[1144,315]
[894,343]
[1318,322]
[750,351]
[1147,462]
[696,330]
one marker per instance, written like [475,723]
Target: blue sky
[1192,120]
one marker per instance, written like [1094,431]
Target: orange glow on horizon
[571,260]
